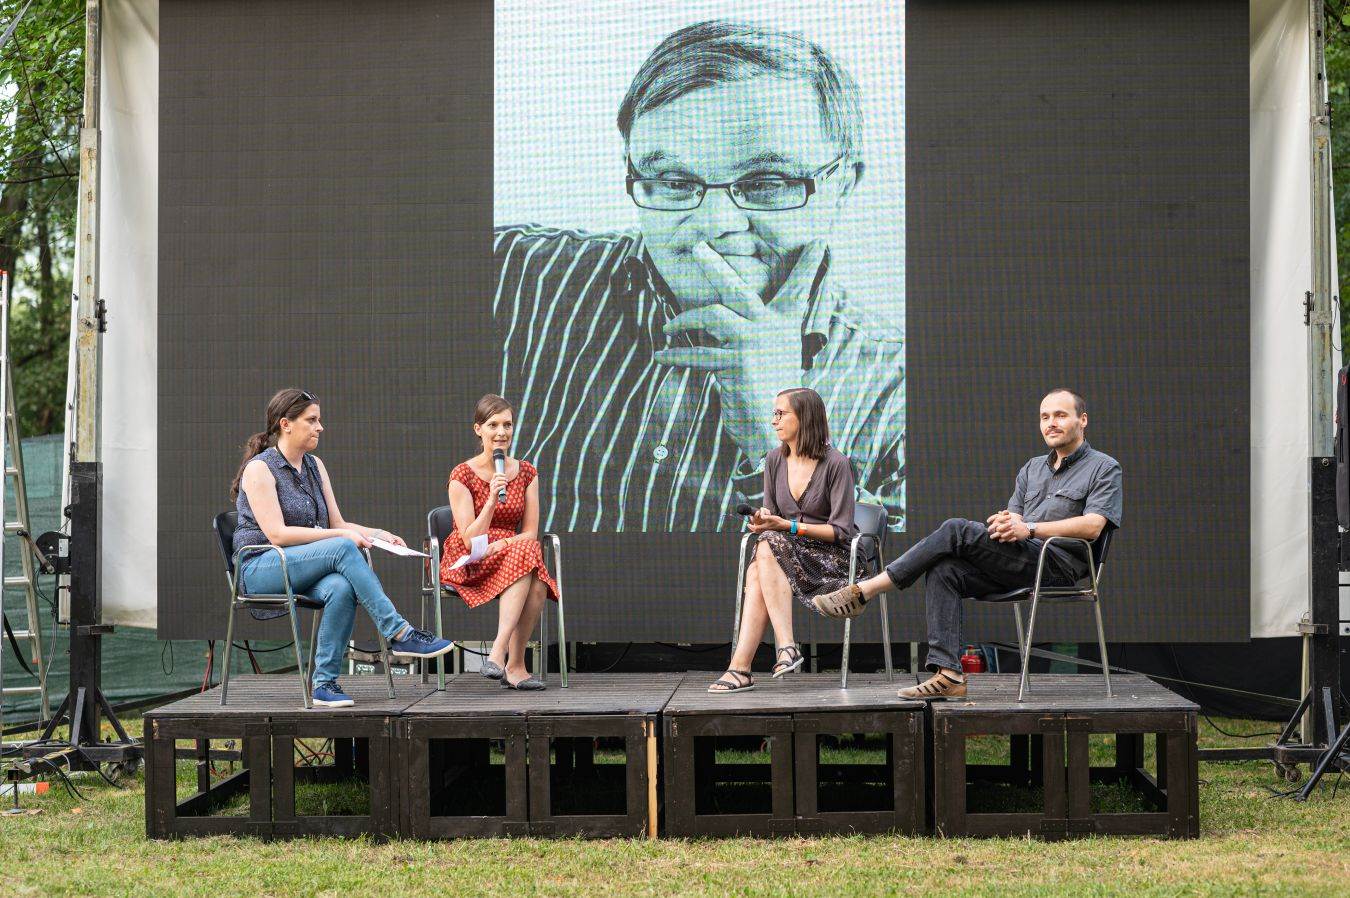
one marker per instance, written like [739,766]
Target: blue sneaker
[420,644]
[330,695]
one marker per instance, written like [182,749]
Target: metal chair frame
[854,544]
[291,600]
[1059,595]
[433,590]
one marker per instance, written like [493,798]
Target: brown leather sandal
[845,602]
[741,680]
[793,661]
[940,687]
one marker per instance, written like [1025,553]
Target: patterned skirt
[812,567]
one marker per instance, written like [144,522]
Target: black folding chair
[266,607]
[440,523]
[1037,593]
[864,555]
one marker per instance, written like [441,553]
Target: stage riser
[1051,752]
[479,761]
[792,777]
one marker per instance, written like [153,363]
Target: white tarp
[128,242]
[1280,259]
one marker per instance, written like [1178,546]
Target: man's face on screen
[766,127]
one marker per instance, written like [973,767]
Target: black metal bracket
[54,547]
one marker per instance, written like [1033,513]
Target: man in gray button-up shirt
[1072,491]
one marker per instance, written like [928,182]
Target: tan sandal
[846,602]
[741,681]
[939,687]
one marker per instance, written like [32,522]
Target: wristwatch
[1031,529]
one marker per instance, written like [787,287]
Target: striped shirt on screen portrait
[627,444]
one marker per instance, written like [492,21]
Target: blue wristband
[793,531]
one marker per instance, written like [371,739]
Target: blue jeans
[332,571]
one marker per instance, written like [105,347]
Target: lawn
[1251,843]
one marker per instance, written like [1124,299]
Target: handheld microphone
[744,510]
[499,463]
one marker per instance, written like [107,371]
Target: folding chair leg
[843,665]
[541,660]
[314,648]
[562,641]
[1021,633]
[1026,645]
[225,664]
[299,657]
[886,638]
[388,660]
[440,634]
[1101,644]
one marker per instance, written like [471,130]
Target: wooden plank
[799,693]
[949,780]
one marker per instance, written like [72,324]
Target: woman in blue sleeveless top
[284,498]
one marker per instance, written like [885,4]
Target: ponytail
[256,443]
[288,403]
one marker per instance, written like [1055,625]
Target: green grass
[1250,844]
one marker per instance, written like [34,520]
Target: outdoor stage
[642,754]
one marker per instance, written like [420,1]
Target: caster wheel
[1287,772]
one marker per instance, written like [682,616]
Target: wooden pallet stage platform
[642,754]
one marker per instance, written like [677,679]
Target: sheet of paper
[396,549]
[477,549]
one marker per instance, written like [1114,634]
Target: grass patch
[1250,844]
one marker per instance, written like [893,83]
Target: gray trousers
[961,561]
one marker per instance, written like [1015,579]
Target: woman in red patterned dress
[514,565]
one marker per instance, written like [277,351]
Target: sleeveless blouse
[484,580]
[300,494]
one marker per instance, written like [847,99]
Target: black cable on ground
[1181,678]
[257,651]
[616,661]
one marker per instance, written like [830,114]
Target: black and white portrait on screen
[686,225]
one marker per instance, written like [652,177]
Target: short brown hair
[1079,403]
[490,405]
[813,428]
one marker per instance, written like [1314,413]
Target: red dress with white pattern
[483,581]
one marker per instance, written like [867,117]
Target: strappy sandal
[794,661]
[939,687]
[740,681]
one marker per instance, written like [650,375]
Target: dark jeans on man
[961,561]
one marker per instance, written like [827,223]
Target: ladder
[11,453]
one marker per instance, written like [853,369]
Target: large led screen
[640,222]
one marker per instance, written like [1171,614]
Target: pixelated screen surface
[638,222]
[647,324]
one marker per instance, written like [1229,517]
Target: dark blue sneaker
[330,695]
[420,644]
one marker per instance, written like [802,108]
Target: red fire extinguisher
[972,661]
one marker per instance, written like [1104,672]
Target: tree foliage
[1338,93]
[41,84]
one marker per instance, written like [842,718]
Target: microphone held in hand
[499,463]
[744,510]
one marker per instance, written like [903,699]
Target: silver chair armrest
[246,551]
[853,553]
[1077,540]
[555,542]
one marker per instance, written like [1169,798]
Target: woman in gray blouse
[284,498]
[804,530]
